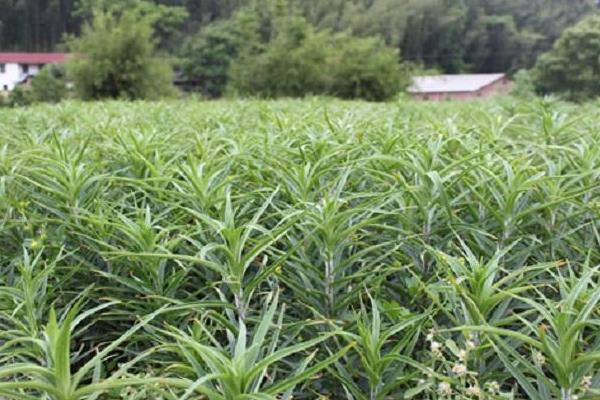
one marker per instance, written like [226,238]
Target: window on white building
[25,68]
[2,68]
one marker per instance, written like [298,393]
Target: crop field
[309,249]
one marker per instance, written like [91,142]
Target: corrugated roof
[452,83]
[33,58]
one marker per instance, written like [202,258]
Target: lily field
[300,249]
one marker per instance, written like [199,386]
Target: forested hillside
[452,35]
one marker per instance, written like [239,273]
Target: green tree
[208,55]
[293,64]
[572,67]
[49,85]
[115,57]
[167,20]
[455,35]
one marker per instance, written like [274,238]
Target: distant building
[458,87]
[19,67]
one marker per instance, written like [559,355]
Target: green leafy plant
[242,370]
[306,249]
[54,376]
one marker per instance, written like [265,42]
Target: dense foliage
[115,58]
[207,57]
[572,67]
[262,250]
[50,84]
[298,61]
[478,35]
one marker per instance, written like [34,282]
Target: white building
[18,67]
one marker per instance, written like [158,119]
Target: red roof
[33,58]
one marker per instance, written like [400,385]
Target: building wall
[13,73]
[499,87]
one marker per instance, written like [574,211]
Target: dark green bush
[20,96]
[364,68]
[300,61]
[292,65]
[208,56]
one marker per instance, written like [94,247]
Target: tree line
[449,35]
[287,48]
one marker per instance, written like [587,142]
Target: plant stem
[329,282]
[566,394]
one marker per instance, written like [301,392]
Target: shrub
[115,58]
[523,85]
[20,96]
[49,85]
[300,61]
[365,68]
[292,65]
[208,56]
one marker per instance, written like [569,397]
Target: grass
[300,249]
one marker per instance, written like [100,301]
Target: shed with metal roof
[459,87]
